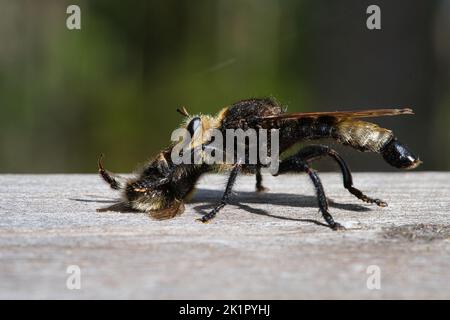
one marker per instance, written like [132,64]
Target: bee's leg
[296,164]
[226,194]
[107,176]
[259,186]
[118,207]
[314,152]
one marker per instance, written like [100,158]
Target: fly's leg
[226,195]
[259,186]
[314,152]
[297,164]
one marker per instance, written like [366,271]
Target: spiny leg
[226,195]
[107,176]
[314,152]
[259,186]
[296,164]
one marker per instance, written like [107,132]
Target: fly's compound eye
[194,125]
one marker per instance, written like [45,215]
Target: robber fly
[162,187]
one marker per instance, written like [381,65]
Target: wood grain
[267,246]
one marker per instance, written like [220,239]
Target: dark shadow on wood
[204,209]
[93,200]
[212,197]
[281,199]
[209,198]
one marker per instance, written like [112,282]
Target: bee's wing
[342,114]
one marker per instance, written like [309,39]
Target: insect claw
[100,165]
[202,220]
[261,189]
[207,217]
[381,203]
[338,227]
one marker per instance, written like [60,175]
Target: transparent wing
[343,114]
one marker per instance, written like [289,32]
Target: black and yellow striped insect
[161,188]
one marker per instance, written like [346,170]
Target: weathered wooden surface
[262,247]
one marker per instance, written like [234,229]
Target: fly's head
[200,129]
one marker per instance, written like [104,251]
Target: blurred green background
[113,86]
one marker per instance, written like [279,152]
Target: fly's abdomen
[366,136]
[361,135]
[304,129]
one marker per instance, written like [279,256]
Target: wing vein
[344,114]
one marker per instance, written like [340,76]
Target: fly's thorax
[364,136]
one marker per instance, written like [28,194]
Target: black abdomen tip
[399,156]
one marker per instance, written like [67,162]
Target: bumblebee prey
[162,187]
